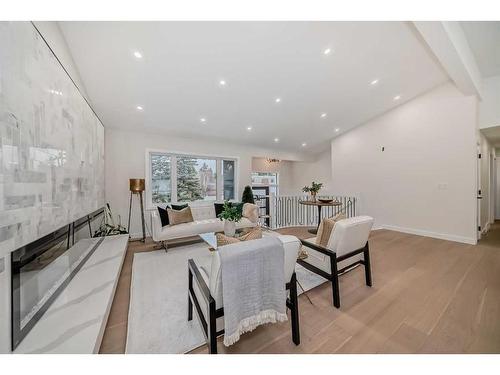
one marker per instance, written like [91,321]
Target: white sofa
[205,293]
[204,221]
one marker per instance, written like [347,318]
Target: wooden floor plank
[429,296]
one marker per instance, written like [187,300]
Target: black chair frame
[335,272]
[208,324]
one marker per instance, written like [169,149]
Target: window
[196,179]
[228,177]
[189,178]
[160,178]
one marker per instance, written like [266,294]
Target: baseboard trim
[425,233]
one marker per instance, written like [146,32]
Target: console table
[319,204]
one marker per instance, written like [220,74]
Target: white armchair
[347,247]
[205,293]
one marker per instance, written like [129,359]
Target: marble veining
[51,142]
[75,321]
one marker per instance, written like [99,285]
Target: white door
[479,192]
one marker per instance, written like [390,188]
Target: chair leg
[212,329]
[294,312]
[335,281]
[368,268]
[190,303]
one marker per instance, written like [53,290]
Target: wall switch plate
[443,186]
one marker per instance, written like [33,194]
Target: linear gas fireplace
[41,270]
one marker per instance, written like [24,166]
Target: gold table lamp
[137,186]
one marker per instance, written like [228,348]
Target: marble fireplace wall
[51,142]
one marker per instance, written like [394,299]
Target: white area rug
[157,321]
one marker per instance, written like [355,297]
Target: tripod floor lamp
[137,186]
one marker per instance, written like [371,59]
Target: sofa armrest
[155,225]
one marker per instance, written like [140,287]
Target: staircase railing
[287,211]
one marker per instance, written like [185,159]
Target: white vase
[229,228]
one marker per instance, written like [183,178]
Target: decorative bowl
[324,200]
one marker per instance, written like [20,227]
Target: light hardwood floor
[428,296]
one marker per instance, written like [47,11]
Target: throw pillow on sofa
[176,217]
[223,240]
[179,207]
[163,216]
[219,207]
[251,212]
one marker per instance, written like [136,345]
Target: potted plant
[230,215]
[247,195]
[108,226]
[313,189]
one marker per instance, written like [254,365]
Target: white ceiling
[177,80]
[493,135]
[484,40]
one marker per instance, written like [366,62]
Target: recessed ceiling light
[276,140]
[337,130]
[277,100]
[138,54]
[139,108]
[249,128]
[323,115]
[222,82]
[203,119]
[397,97]
[327,51]
[374,82]
[304,144]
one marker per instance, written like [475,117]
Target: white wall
[283,168]
[318,170]
[294,175]
[489,107]
[424,182]
[126,158]
[52,34]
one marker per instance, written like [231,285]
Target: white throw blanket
[253,285]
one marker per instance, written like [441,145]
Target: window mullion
[218,180]
[173,179]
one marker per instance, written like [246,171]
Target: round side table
[319,204]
